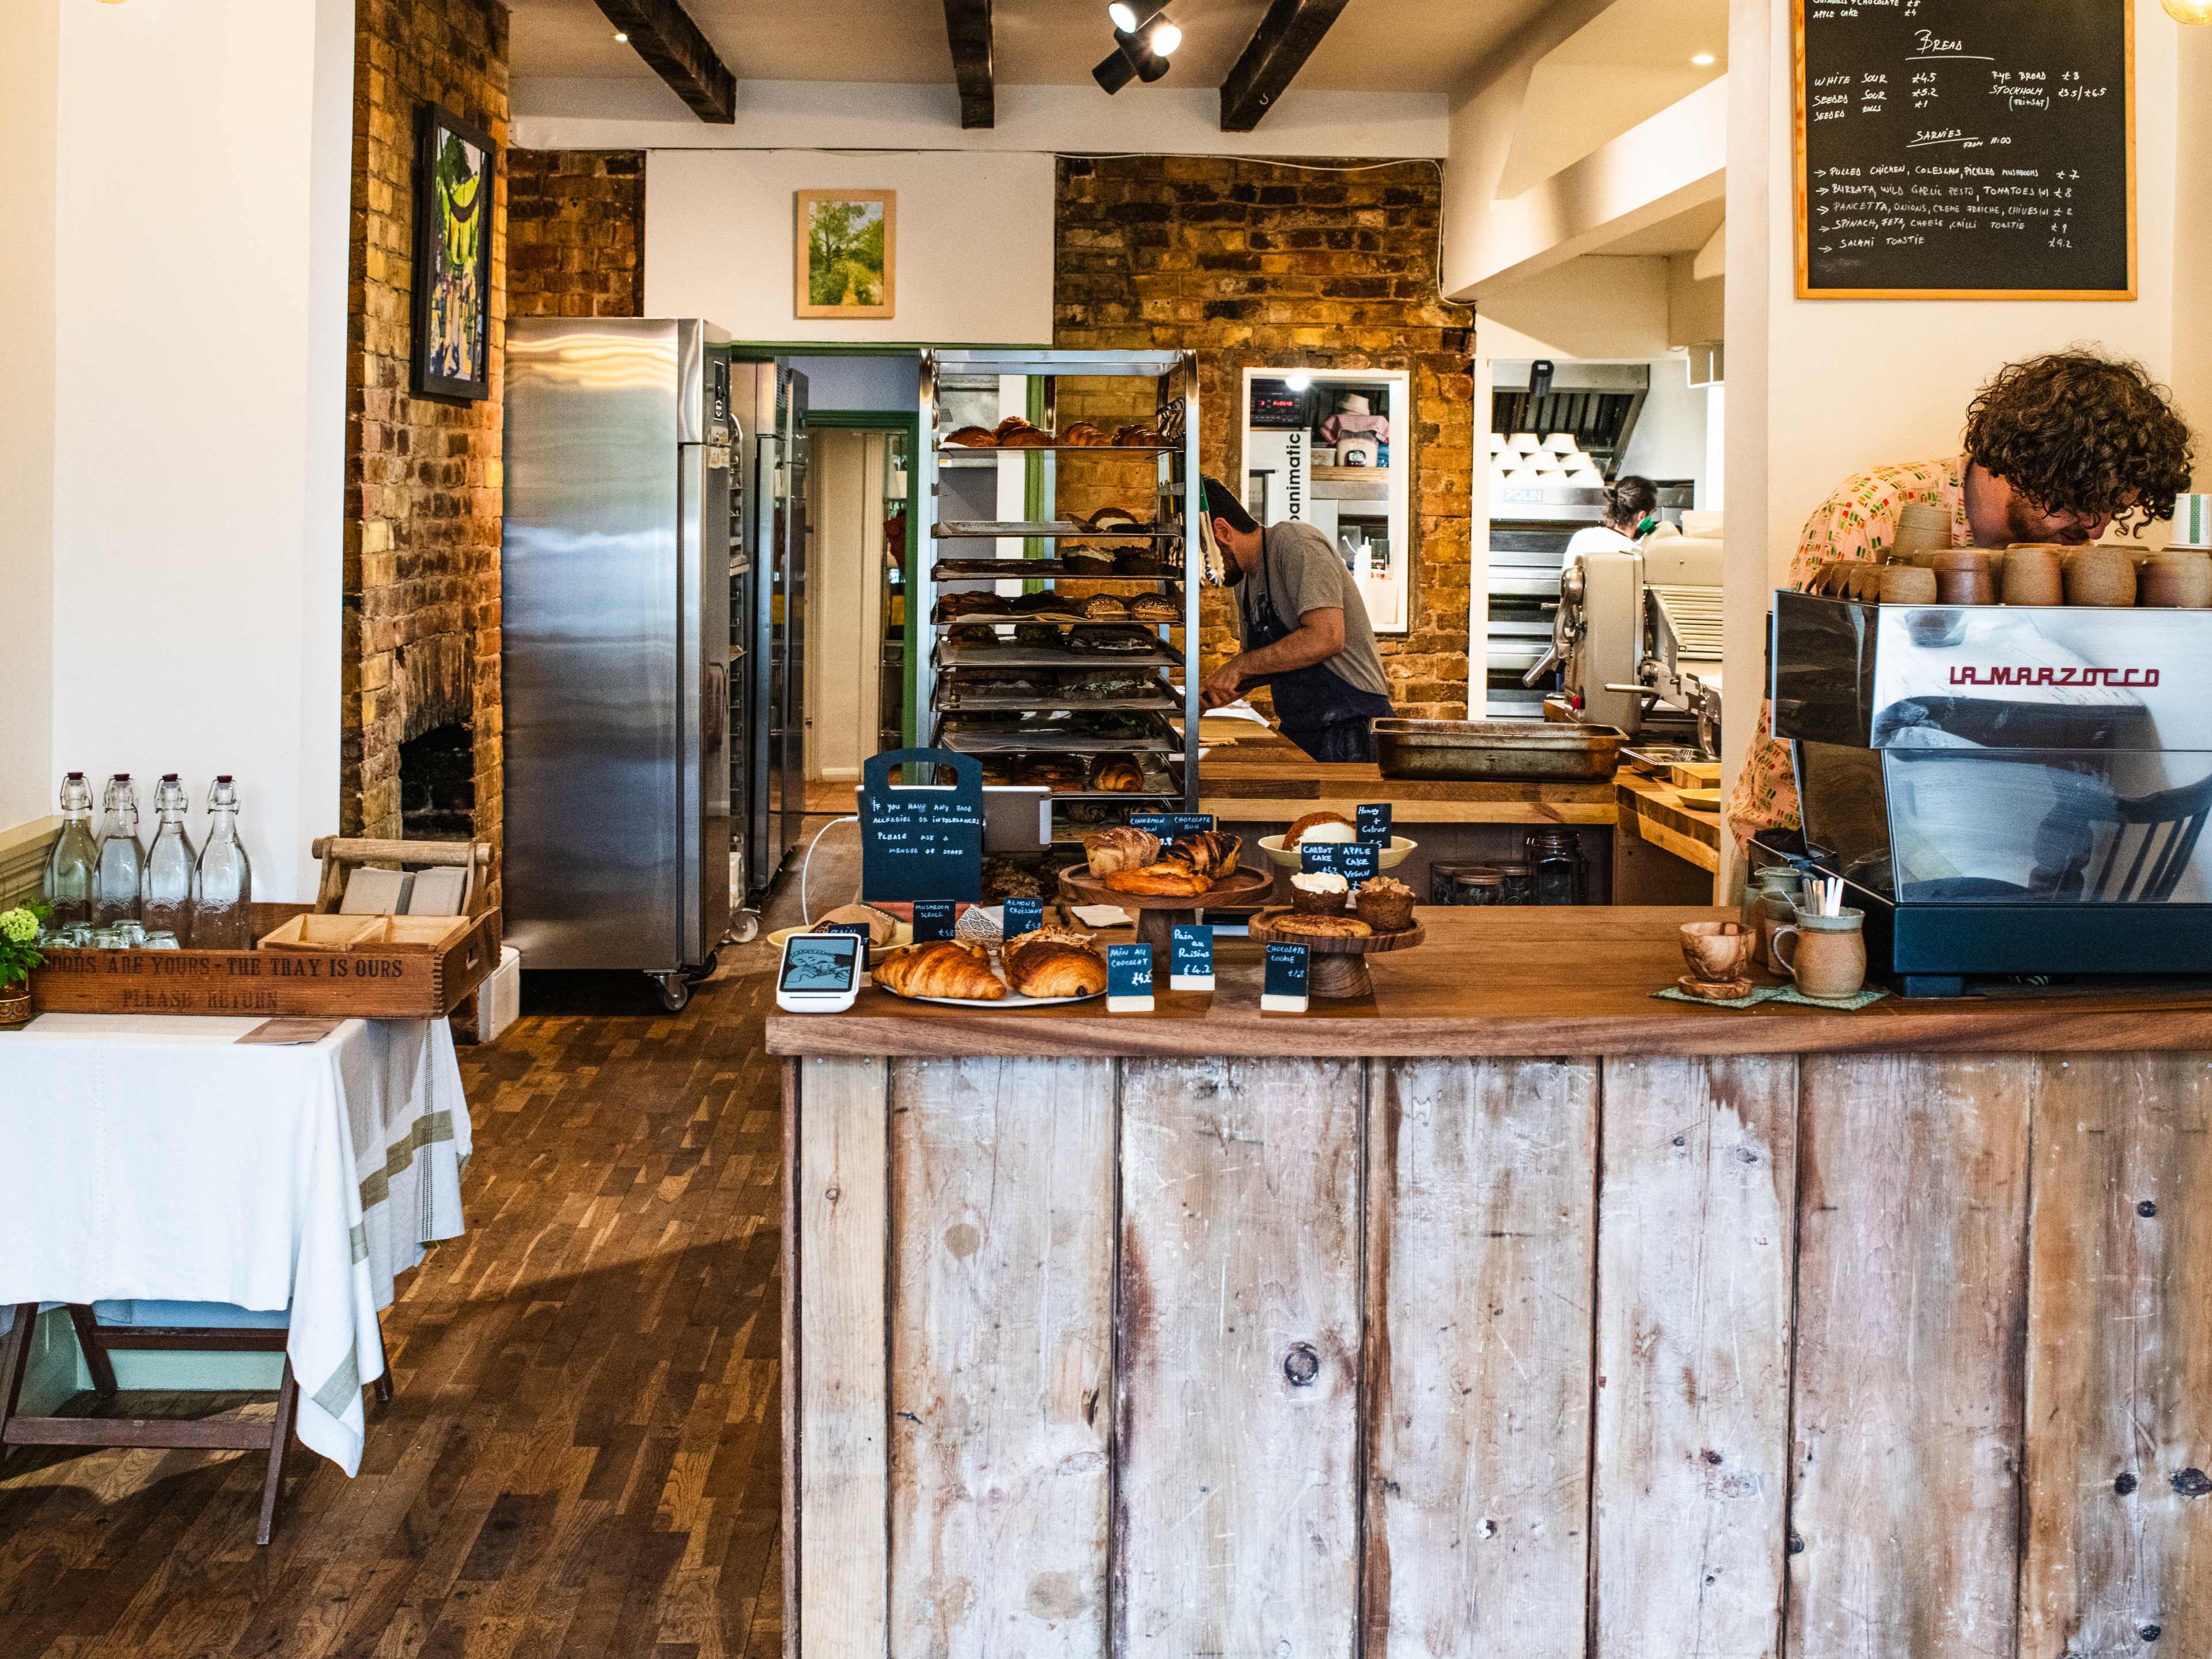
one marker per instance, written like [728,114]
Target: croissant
[1161,880]
[947,968]
[973,437]
[1135,437]
[1119,777]
[1081,434]
[1052,968]
[1121,848]
[1027,437]
[1012,423]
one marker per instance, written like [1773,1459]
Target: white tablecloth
[154,1158]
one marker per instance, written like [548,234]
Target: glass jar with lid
[1520,882]
[1444,873]
[1555,857]
[1482,887]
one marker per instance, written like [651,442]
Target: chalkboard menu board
[1965,149]
[923,842]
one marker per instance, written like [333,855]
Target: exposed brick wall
[575,233]
[423,476]
[1251,263]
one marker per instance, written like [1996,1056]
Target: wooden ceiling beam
[968,26]
[1279,49]
[662,33]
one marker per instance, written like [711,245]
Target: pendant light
[2188,11]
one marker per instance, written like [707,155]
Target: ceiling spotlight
[1124,16]
[1703,60]
[621,38]
[1140,52]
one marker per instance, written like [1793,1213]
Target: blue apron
[1319,710]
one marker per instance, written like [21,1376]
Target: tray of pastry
[1123,526]
[1148,567]
[1055,653]
[1060,732]
[954,609]
[1114,781]
[1107,686]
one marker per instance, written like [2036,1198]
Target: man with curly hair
[2058,449]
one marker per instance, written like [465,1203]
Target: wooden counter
[1656,812]
[1268,779]
[1514,1313]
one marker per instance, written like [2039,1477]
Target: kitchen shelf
[1045,656]
[1165,475]
[1038,570]
[961,530]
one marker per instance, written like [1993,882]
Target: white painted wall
[199,410]
[1670,439]
[562,114]
[2192,244]
[1601,308]
[30,49]
[974,246]
[1572,109]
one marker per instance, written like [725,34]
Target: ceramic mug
[2100,576]
[1963,577]
[1717,951]
[1907,584]
[2178,579]
[2035,573]
[1825,955]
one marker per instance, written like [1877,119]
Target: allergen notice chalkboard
[1965,149]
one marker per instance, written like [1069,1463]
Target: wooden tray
[1159,914]
[1340,965]
[319,931]
[413,979]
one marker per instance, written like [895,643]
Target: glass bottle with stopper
[170,874]
[75,861]
[122,870]
[223,917]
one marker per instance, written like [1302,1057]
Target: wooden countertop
[1656,812]
[1518,981]
[1267,778]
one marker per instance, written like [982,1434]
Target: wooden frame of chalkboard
[1937,12]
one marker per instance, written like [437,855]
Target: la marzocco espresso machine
[2008,792]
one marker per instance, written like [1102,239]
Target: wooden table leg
[87,1325]
[1338,977]
[14,1361]
[383,1383]
[1156,927]
[280,1440]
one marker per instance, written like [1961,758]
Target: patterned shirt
[1859,521]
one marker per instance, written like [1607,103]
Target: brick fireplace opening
[438,784]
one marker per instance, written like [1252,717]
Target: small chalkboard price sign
[1172,827]
[923,842]
[1965,149]
[932,920]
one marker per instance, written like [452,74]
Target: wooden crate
[385,981]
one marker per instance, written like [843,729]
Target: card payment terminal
[820,972]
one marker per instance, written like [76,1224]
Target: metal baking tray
[961,530]
[1011,655]
[1048,736]
[1503,751]
[1156,701]
[1042,570]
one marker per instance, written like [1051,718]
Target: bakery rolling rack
[1052,727]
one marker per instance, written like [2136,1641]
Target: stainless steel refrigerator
[626,540]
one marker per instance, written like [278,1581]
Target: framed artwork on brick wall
[454,165]
[846,244]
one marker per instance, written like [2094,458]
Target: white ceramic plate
[1007,1001]
[1392,856]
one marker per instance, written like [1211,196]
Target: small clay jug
[2035,573]
[1907,584]
[1717,952]
[2100,576]
[1825,955]
[2177,579]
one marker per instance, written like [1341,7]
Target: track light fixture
[1141,49]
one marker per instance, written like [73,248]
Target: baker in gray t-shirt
[1304,630]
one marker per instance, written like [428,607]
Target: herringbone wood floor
[582,1461]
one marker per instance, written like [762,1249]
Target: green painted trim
[1033,503]
[884,420]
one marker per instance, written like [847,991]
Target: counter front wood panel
[1621,1358]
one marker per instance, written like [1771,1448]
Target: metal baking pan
[1532,751]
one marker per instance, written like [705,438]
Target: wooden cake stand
[1158,914]
[1338,965]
